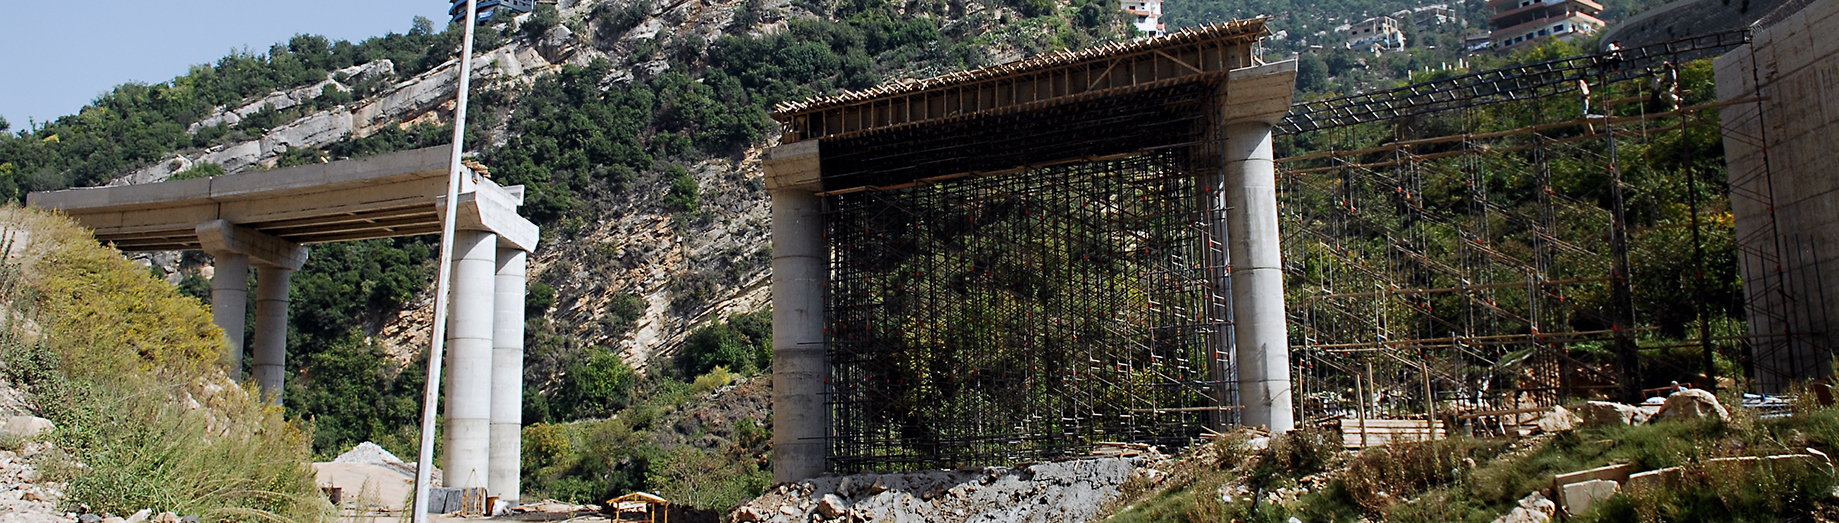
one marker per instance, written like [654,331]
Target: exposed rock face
[1691,404]
[1069,491]
[402,102]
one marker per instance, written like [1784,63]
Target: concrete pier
[467,435]
[271,331]
[235,247]
[801,264]
[1261,337]
[508,376]
[1253,100]
[230,305]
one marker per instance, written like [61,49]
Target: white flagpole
[430,399]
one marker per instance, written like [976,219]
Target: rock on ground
[1691,404]
[1062,491]
[1601,413]
[1558,420]
[24,496]
[1534,508]
[25,427]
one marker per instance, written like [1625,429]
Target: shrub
[199,170]
[717,377]
[742,343]
[684,195]
[623,312]
[540,298]
[598,386]
[544,18]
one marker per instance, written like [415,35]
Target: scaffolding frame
[1391,318]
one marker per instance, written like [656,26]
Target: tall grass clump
[127,368]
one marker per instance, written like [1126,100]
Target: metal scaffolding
[1020,317]
[1025,284]
[1451,254]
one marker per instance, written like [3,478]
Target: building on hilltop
[1146,15]
[1429,15]
[488,7]
[1516,22]
[1375,34]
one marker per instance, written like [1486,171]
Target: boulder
[139,517]
[1579,497]
[26,427]
[1558,420]
[1601,413]
[166,517]
[831,506]
[1691,404]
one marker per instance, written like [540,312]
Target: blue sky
[56,56]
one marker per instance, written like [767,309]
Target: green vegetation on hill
[126,368]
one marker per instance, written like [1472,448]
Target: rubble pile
[1074,490]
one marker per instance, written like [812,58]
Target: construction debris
[1071,490]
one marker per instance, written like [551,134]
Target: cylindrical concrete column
[1261,336]
[230,305]
[800,267]
[467,435]
[508,377]
[271,331]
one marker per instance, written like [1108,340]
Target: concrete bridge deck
[378,197]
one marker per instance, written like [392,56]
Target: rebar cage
[1024,316]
